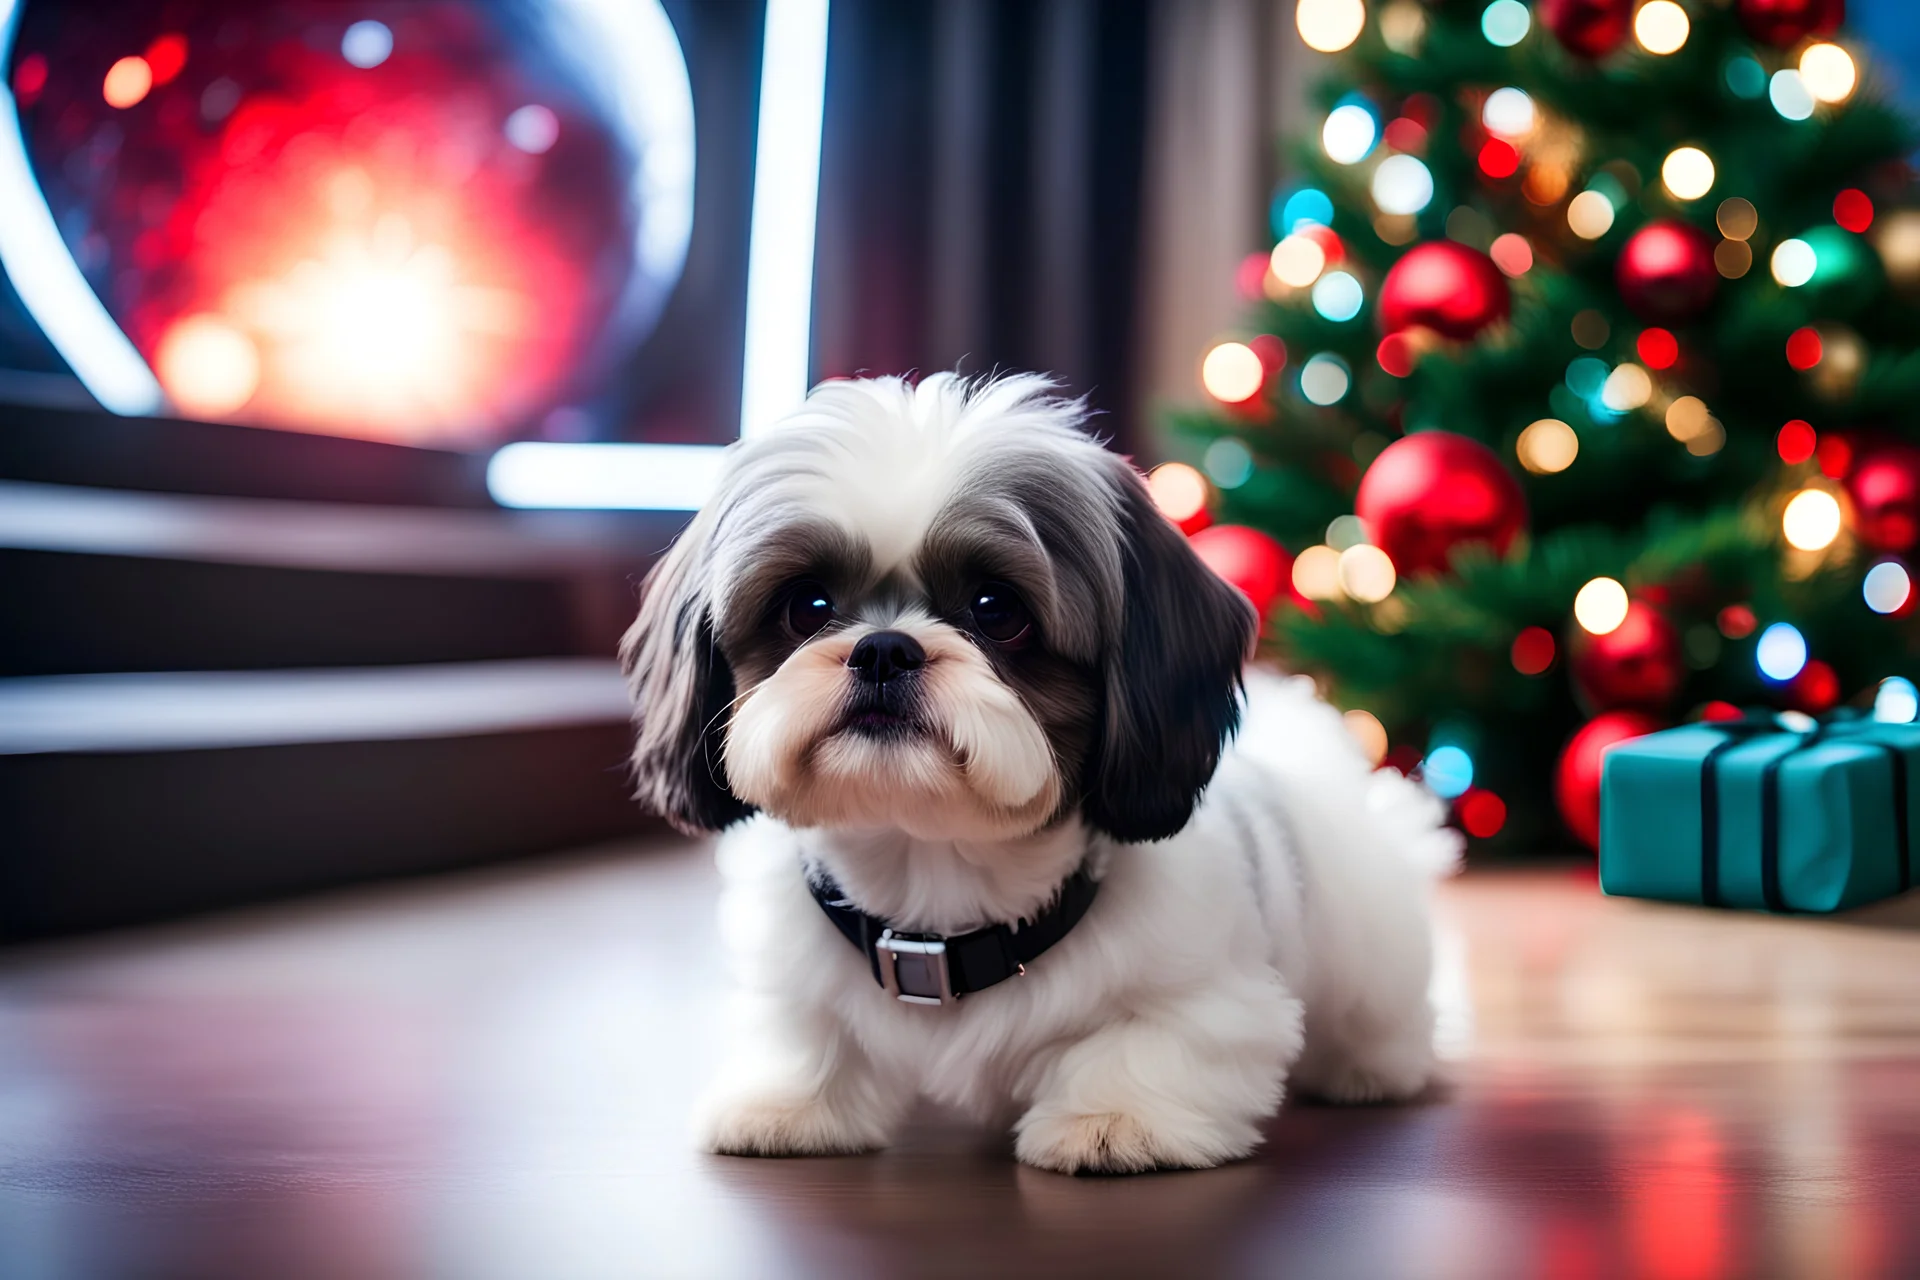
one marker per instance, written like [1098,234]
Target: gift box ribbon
[1756,724]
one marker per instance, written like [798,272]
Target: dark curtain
[981,191]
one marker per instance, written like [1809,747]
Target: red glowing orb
[1804,348]
[1853,210]
[1533,651]
[1658,348]
[380,248]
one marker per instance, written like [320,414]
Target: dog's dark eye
[809,609]
[999,613]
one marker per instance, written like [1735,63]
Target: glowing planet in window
[418,220]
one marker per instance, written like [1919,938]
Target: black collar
[926,968]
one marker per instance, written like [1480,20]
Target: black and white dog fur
[1058,678]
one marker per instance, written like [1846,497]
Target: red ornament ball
[1247,559]
[1576,778]
[1589,28]
[1637,664]
[1885,487]
[1666,273]
[1429,493]
[1783,23]
[1449,288]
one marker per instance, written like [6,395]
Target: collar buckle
[913,967]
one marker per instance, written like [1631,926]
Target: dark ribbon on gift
[1756,724]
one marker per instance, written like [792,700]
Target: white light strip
[183,710]
[628,477]
[49,281]
[786,194]
[786,190]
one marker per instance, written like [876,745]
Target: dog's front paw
[772,1125]
[1109,1142]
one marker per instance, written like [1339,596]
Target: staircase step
[101,580]
[135,797]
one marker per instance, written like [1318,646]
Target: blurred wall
[981,190]
[1065,185]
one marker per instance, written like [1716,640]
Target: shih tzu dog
[954,691]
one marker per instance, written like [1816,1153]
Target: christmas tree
[1581,393]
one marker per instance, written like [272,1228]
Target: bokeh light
[1309,205]
[1657,348]
[167,57]
[1586,375]
[1687,173]
[1178,491]
[1349,133]
[1789,95]
[209,368]
[1512,254]
[1737,218]
[1447,771]
[1482,813]
[1828,72]
[128,82]
[1736,621]
[1812,520]
[1505,23]
[1328,26]
[1796,441]
[1232,373]
[1661,27]
[1338,296]
[1747,78]
[1887,587]
[1402,184]
[367,44]
[1325,379]
[533,129]
[1228,463]
[1533,651]
[1687,417]
[1896,701]
[1601,606]
[1508,113]
[1499,158]
[1547,447]
[1853,210]
[1794,262]
[1369,733]
[1781,652]
[1347,531]
[1298,261]
[1316,573]
[1626,388]
[1590,215]
[1805,348]
[1366,573]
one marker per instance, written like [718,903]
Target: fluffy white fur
[1281,936]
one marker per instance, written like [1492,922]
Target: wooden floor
[489,1077]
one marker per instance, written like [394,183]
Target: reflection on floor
[488,1077]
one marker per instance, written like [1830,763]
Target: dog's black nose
[881,656]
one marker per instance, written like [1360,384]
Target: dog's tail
[1288,727]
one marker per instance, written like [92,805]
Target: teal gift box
[1761,814]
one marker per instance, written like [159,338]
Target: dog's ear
[1173,678]
[682,689]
